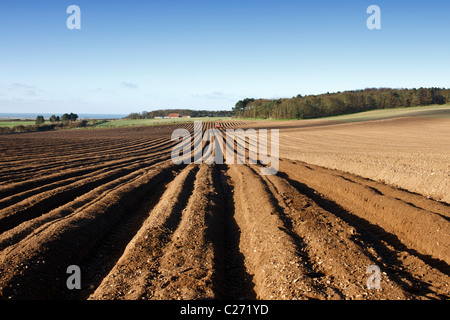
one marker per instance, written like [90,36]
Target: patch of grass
[435,111]
[10,124]
[441,111]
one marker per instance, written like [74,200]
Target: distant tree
[73,117]
[437,97]
[134,115]
[40,120]
[65,117]
[145,115]
[53,119]
[57,119]
[240,106]
[329,104]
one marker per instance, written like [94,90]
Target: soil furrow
[179,262]
[101,149]
[140,260]
[36,265]
[73,163]
[402,265]
[14,188]
[187,268]
[271,255]
[114,245]
[16,234]
[332,244]
[235,281]
[422,231]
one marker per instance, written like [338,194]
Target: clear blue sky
[137,55]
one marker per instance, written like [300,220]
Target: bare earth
[411,153]
[140,227]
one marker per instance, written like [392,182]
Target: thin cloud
[21,89]
[17,85]
[129,85]
[215,96]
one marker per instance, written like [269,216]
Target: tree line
[65,121]
[332,104]
[65,118]
[184,112]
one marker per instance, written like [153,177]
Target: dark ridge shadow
[234,282]
[102,258]
[376,236]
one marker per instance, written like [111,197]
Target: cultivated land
[120,122]
[151,122]
[112,202]
[407,147]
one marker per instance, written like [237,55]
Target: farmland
[87,124]
[112,202]
[151,122]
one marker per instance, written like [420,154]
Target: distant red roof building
[173,115]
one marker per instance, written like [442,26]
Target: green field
[10,124]
[442,111]
[435,111]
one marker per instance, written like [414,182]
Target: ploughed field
[140,227]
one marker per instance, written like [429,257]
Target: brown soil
[411,153]
[140,227]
